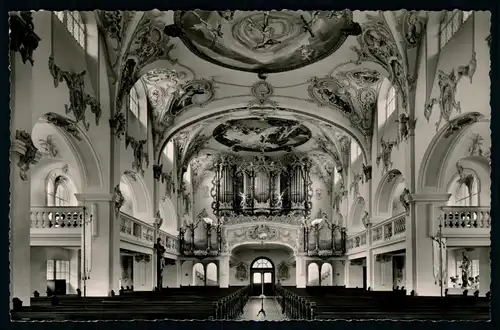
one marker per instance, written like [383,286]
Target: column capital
[94,197]
[430,197]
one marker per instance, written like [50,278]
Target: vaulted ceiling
[331,59]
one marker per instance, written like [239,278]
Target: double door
[263,283]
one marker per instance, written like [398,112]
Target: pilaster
[223,270]
[420,226]
[104,260]
[301,271]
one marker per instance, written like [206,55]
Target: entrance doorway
[262,276]
[364,278]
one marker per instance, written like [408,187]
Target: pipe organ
[261,186]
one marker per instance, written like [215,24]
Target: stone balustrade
[60,219]
[466,217]
[357,241]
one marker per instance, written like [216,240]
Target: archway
[313,274]
[262,275]
[211,275]
[326,275]
[198,275]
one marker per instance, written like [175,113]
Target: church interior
[260,165]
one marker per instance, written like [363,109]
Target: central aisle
[271,307]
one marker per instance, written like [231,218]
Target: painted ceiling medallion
[264,42]
[261,135]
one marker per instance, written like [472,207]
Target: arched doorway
[262,274]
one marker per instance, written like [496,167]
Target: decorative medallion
[261,135]
[79,100]
[412,28]
[262,91]
[195,93]
[241,272]
[263,42]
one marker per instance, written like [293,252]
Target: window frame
[357,151]
[54,269]
[262,263]
[451,23]
[134,103]
[75,25]
[390,101]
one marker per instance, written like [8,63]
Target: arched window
[134,103]
[59,193]
[355,151]
[74,24]
[450,24]
[390,107]
[465,194]
[262,263]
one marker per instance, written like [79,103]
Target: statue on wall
[385,155]
[160,263]
[119,199]
[465,267]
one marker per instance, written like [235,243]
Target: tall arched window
[390,107]
[465,194]
[355,151]
[450,24]
[59,192]
[134,103]
[74,24]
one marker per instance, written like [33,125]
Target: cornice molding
[94,197]
[432,197]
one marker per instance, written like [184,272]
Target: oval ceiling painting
[264,42]
[261,135]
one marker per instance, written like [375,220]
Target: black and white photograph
[250,165]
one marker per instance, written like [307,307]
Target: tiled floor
[271,308]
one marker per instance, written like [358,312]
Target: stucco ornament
[476,145]
[262,91]
[357,178]
[262,233]
[367,171]
[79,100]
[406,126]
[117,125]
[139,153]
[405,199]
[29,156]
[241,272]
[377,44]
[48,147]
[118,199]
[365,220]
[114,25]
[412,27]
[283,271]
[447,91]
[385,154]
[64,123]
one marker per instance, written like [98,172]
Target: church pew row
[170,304]
[342,303]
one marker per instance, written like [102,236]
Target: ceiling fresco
[264,42]
[261,135]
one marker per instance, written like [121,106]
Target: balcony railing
[389,230]
[60,219]
[357,241]
[466,217]
[142,232]
[56,217]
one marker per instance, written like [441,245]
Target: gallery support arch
[262,276]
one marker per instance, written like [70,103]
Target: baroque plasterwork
[262,232]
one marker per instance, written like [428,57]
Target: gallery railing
[136,230]
[357,241]
[466,217]
[390,229]
[56,217]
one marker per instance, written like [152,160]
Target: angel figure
[385,155]
[243,202]
[158,220]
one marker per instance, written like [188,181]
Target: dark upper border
[187,42]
